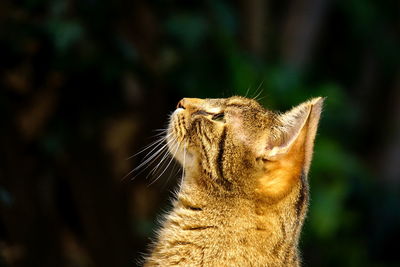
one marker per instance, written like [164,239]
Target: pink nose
[189,103]
[181,104]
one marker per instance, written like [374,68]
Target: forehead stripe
[221,147]
[238,105]
[302,199]
[220,166]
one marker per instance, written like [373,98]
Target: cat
[244,195]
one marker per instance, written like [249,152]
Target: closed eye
[218,117]
[201,113]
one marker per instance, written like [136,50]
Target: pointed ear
[297,126]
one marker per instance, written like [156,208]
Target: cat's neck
[270,229]
[205,227]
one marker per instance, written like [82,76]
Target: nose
[189,103]
[181,104]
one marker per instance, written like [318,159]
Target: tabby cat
[244,195]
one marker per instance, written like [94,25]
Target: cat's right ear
[295,132]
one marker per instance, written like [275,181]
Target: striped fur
[245,193]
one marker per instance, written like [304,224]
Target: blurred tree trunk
[390,161]
[300,30]
[253,29]
[141,28]
[28,214]
[100,205]
[382,122]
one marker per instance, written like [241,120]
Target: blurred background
[85,83]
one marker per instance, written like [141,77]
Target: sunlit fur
[244,195]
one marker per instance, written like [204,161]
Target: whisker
[181,169]
[160,130]
[172,172]
[184,162]
[147,159]
[172,158]
[148,153]
[261,98]
[152,156]
[158,142]
[155,156]
[161,161]
[247,92]
[258,89]
[163,134]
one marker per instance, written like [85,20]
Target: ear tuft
[314,117]
[291,124]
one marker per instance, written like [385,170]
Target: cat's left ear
[296,131]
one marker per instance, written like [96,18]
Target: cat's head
[234,142]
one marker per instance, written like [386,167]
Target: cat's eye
[218,117]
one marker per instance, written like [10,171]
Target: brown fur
[244,196]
